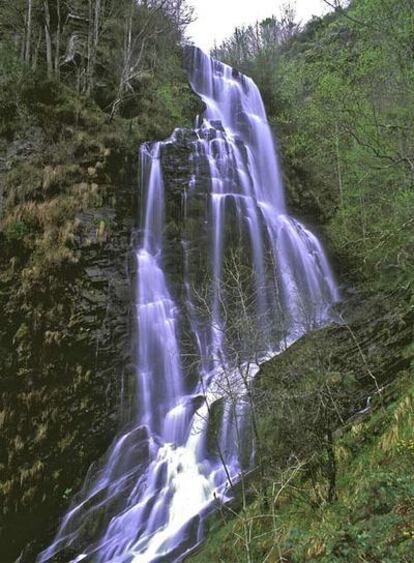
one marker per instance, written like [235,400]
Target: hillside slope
[335,412]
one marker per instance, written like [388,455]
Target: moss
[69,204]
[371,517]
[371,520]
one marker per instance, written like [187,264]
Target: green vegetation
[371,518]
[335,478]
[80,84]
[340,94]
[335,412]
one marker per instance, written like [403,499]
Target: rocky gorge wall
[66,332]
[69,209]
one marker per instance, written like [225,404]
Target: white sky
[216,19]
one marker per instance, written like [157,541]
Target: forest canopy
[340,93]
[107,50]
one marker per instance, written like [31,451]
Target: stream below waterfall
[265,282]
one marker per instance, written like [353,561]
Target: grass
[372,518]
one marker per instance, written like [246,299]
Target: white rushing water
[162,476]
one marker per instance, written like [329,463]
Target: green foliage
[371,520]
[341,95]
[68,174]
[11,68]
[11,71]
[17,230]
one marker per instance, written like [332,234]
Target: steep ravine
[160,478]
[66,338]
[65,344]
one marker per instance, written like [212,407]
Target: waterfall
[256,282]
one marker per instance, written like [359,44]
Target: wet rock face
[65,349]
[188,184]
[187,197]
[370,346]
[308,196]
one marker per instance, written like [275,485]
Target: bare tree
[28,31]
[58,37]
[246,335]
[48,38]
[95,15]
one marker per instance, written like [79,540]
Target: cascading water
[148,501]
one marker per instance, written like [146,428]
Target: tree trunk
[125,64]
[57,43]
[35,57]
[93,41]
[331,467]
[338,166]
[48,38]
[28,32]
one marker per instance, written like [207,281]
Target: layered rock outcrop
[65,337]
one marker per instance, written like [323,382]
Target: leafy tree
[104,49]
[340,93]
